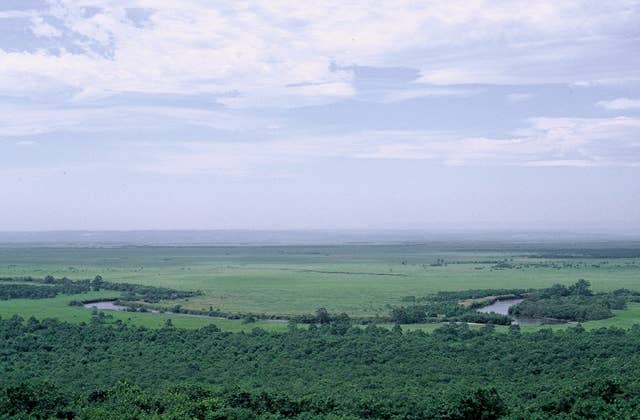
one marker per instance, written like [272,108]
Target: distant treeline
[468,294]
[444,312]
[590,253]
[53,369]
[39,288]
[18,291]
[211,312]
[51,286]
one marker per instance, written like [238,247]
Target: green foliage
[98,370]
[485,318]
[100,367]
[574,303]
[70,287]
[446,306]
[360,280]
[474,294]
[40,401]
[580,288]
[323,317]
[16,291]
[570,308]
[481,404]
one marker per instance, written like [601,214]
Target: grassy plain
[284,280]
[59,308]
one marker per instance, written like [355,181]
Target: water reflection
[502,307]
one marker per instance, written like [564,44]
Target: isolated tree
[97,282]
[580,288]
[556,290]
[323,317]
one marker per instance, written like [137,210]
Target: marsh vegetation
[420,343]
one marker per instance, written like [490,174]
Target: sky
[198,114]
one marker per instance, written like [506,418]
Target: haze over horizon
[157,115]
[464,238]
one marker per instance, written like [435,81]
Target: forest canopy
[52,368]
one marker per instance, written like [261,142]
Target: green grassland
[360,280]
[624,318]
[59,308]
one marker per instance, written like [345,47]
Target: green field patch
[58,307]
[293,280]
[349,273]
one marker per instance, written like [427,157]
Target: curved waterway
[108,305]
[502,307]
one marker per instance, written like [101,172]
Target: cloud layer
[290,53]
[202,113]
[559,142]
[620,104]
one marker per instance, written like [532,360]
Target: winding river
[498,307]
[109,305]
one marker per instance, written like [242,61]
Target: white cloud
[564,141]
[40,28]
[16,121]
[405,95]
[566,162]
[26,143]
[620,104]
[282,52]
[15,14]
[519,97]
[452,76]
[544,142]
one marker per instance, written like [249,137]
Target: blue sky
[153,114]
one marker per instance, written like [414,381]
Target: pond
[105,305]
[109,305]
[502,307]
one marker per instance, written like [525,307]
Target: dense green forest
[52,368]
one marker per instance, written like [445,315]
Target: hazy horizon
[461,237]
[138,115]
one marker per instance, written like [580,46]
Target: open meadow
[264,347]
[360,280]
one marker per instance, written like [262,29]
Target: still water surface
[502,307]
[105,305]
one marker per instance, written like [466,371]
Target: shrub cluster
[55,286]
[574,303]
